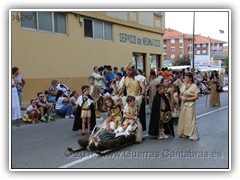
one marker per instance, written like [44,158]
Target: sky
[206,23]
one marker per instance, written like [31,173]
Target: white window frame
[198,45]
[198,52]
[204,51]
[172,41]
[173,56]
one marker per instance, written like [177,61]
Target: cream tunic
[187,117]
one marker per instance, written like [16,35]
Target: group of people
[170,95]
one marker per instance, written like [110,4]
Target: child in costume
[115,113]
[130,115]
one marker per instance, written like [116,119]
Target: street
[44,145]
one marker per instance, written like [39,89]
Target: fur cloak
[154,124]
[78,120]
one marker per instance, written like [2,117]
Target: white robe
[16,109]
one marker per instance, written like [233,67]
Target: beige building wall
[44,56]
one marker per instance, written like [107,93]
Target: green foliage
[226,60]
[182,62]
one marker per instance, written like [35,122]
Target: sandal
[83,133]
[89,133]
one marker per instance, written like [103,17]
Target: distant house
[177,45]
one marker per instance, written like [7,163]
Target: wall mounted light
[81,20]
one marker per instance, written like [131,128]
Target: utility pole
[193,39]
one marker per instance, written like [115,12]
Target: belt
[85,109]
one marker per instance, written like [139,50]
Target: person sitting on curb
[63,105]
[45,107]
[32,113]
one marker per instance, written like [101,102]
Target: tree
[182,61]
[226,64]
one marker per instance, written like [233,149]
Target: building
[67,45]
[178,45]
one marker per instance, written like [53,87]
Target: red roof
[202,39]
[172,33]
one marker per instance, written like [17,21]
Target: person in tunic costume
[136,88]
[85,112]
[169,93]
[215,82]
[189,93]
[152,87]
[115,113]
[159,106]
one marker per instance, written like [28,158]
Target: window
[204,52]
[139,60]
[204,45]
[172,56]
[172,41]
[88,30]
[180,40]
[29,20]
[180,56]
[180,48]
[165,57]
[154,62]
[54,22]
[198,52]
[198,45]
[172,48]
[45,21]
[97,29]
[60,23]
[108,31]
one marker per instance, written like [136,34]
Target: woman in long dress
[215,82]
[189,93]
[16,109]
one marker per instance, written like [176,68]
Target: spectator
[179,80]
[52,91]
[32,113]
[99,80]
[20,84]
[122,71]
[110,78]
[115,71]
[16,109]
[73,99]
[45,107]
[63,105]
[116,85]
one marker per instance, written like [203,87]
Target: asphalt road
[44,145]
